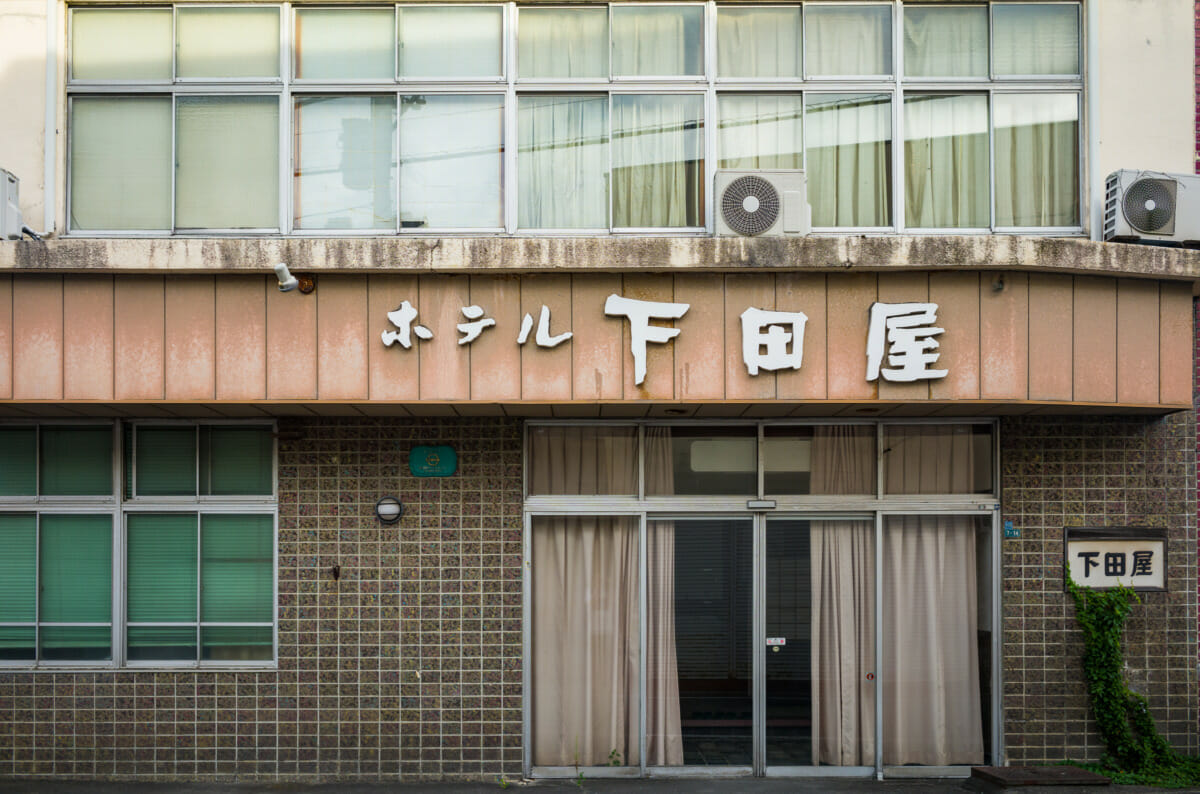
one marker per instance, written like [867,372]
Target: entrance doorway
[701,635]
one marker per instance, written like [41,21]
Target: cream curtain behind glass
[1036,39]
[761,131]
[946,162]
[843,602]
[585,605]
[562,43]
[657,41]
[849,159]
[664,739]
[658,160]
[930,674]
[562,162]
[846,41]
[759,42]
[943,41]
[1037,159]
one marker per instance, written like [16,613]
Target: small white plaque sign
[1140,563]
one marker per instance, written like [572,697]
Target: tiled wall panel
[406,667]
[1094,472]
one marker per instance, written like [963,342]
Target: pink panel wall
[291,343]
[342,338]
[37,314]
[393,372]
[742,293]
[495,356]
[546,372]
[1095,343]
[599,349]
[6,337]
[1137,341]
[1175,330]
[660,358]
[191,343]
[912,288]
[796,292]
[1051,331]
[241,321]
[139,338]
[701,348]
[445,369]
[957,297]
[848,306]
[1004,337]
[88,346]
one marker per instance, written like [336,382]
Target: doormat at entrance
[999,778]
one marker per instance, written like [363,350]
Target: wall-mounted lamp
[388,510]
[288,282]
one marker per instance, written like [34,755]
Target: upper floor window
[504,119]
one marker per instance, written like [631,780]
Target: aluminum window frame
[118,509]
[511,87]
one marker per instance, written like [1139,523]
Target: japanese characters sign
[1129,556]
[900,335]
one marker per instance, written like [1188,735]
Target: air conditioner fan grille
[1149,205]
[750,205]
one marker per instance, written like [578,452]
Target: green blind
[76,461]
[76,569]
[18,461]
[166,461]
[236,643]
[237,461]
[162,571]
[18,567]
[237,568]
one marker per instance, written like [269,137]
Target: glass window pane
[1035,39]
[937,459]
[162,568]
[936,639]
[584,460]
[944,41]
[346,162]
[121,44]
[161,643]
[228,163]
[586,640]
[237,643]
[849,159]
[228,42]
[706,461]
[843,41]
[17,643]
[451,41]
[658,41]
[345,43]
[761,130]
[759,42]
[237,569]
[18,461]
[946,162]
[76,643]
[18,567]
[237,461]
[121,163]
[76,461]
[562,162]
[166,461]
[75,583]
[823,460]
[450,161]
[1037,159]
[658,160]
[563,42]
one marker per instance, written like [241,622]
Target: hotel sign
[1109,557]
[900,335]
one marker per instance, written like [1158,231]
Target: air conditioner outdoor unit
[762,203]
[10,207]
[1150,206]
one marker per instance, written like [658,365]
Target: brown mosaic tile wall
[1083,471]
[408,665]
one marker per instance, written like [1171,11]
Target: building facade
[520,465]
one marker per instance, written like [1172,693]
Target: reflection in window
[761,130]
[759,42]
[945,41]
[451,41]
[946,162]
[345,44]
[562,162]
[562,43]
[845,41]
[1037,159]
[657,41]
[1034,39]
[658,160]
[850,159]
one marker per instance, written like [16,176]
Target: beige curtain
[658,160]
[1037,159]
[664,739]
[849,159]
[946,161]
[585,603]
[930,675]
[843,603]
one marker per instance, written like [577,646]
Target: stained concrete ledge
[592,254]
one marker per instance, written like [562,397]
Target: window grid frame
[287,89]
[117,509]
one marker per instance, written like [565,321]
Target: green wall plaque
[440,461]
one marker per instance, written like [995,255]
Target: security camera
[287,282]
